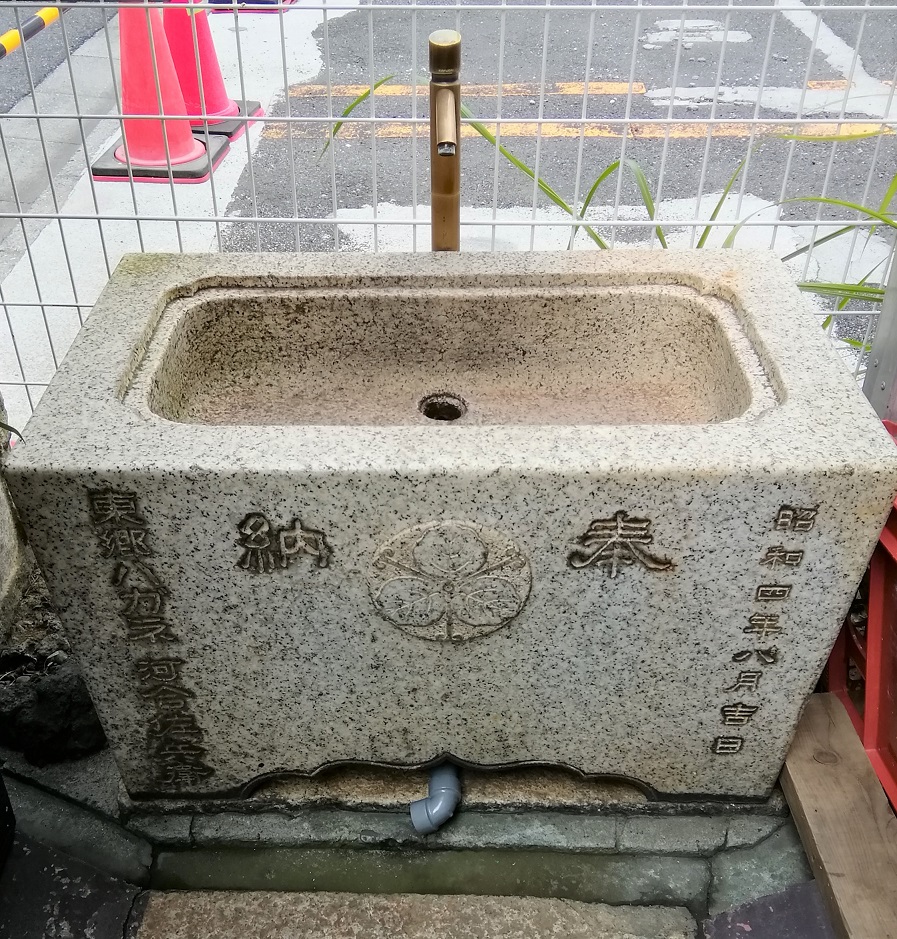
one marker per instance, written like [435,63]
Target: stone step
[269,915]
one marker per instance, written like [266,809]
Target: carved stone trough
[603,510]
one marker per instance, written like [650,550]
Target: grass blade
[848,291]
[608,171]
[819,241]
[719,205]
[842,304]
[642,182]
[484,132]
[348,110]
[820,200]
[11,430]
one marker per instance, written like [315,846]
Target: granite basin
[604,511]
[387,356]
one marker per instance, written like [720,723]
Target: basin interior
[450,357]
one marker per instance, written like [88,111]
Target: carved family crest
[449,581]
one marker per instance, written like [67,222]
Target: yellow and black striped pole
[31,27]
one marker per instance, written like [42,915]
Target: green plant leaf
[484,132]
[719,205]
[350,108]
[850,291]
[822,200]
[11,430]
[642,182]
[842,303]
[608,171]
[819,241]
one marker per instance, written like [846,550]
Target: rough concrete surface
[772,865]
[45,894]
[592,878]
[68,827]
[346,916]
[795,913]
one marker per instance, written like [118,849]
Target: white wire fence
[759,124]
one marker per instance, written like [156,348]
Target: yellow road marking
[521,90]
[836,84]
[681,131]
[525,90]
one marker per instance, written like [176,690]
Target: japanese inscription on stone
[612,544]
[762,625]
[174,738]
[266,548]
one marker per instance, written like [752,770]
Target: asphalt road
[679,157]
[33,61]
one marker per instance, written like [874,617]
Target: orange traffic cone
[154,150]
[208,104]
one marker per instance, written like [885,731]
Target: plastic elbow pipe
[430,814]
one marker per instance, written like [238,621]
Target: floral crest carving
[449,581]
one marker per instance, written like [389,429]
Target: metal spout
[445,140]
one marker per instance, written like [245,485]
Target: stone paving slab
[47,895]
[266,915]
[795,913]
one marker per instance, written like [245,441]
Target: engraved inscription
[617,542]
[773,591]
[739,714]
[174,738]
[780,557]
[265,548]
[143,603]
[764,656]
[449,581]
[724,745]
[763,625]
[748,680]
[783,560]
[119,526]
[793,518]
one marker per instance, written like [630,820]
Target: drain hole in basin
[443,407]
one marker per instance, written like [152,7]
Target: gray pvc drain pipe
[444,787]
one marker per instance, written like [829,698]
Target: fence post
[880,385]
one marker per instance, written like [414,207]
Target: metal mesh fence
[758,124]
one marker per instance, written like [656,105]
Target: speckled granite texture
[631,555]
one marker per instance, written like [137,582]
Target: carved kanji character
[728,744]
[123,543]
[773,591]
[298,540]
[764,656]
[612,543]
[112,505]
[737,715]
[255,540]
[746,681]
[763,625]
[779,556]
[158,671]
[792,518]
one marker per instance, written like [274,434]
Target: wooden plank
[844,819]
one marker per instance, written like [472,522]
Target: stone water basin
[603,511]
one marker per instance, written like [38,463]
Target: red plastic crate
[862,670]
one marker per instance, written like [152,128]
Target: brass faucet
[445,140]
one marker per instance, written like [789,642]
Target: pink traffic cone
[196,63]
[153,150]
